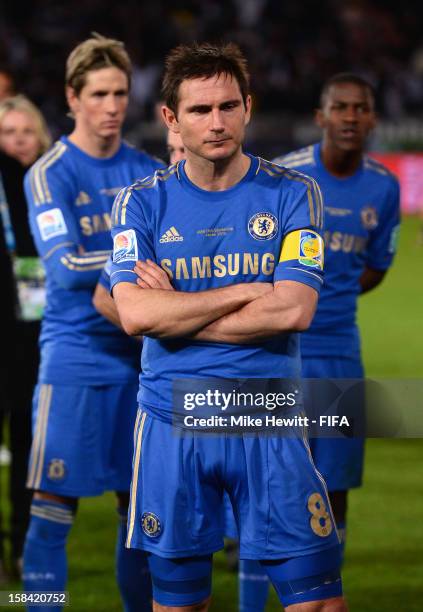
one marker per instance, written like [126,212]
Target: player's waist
[330,340]
[76,358]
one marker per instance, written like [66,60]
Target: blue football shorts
[230,528]
[176,510]
[339,460]
[82,439]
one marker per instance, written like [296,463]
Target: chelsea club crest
[151,525]
[263,226]
[56,470]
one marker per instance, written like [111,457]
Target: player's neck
[95,145]
[340,163]
[217,175]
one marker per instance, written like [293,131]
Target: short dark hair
[203,60]
[345,77]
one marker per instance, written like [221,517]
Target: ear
[319,118]
[72,99]
[248,107]
[373,121]
[170,119]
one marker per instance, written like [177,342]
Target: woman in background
[23,138]
[23,132]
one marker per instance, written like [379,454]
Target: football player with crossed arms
[211,266]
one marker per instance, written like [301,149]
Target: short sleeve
[104,279]
[383,239]
[49,199]
[50,193]
[132,238]
[302,251]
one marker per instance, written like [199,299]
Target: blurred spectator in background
[23,130]
[291,47]
[175,147]
[7,84]
[23,138]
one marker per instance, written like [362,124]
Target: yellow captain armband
[304,246]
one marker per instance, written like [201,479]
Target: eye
[228,106]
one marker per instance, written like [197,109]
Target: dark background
[292,47]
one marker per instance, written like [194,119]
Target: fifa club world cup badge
[311,249]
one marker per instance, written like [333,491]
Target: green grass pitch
[384,562]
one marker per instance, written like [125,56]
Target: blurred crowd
[291,46]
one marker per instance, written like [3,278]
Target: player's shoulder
[154,181]
[377,170]
[299,158]
[52,158]
[291,177]
[151,162]
[143,192]
[53,162]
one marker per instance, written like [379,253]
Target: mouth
[217,141]
[349,132]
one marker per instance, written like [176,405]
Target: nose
[216,122]
[350,114]
[111,105]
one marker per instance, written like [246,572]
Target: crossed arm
[105,305]
[237,314]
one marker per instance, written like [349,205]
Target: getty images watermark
[334,408]
[230,403]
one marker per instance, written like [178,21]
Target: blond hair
[21,104]
[93,54]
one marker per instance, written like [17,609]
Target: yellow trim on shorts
[134,483]
[38,445]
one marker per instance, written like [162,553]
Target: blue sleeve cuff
[122,276]
[312,278]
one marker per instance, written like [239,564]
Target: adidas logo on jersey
[83,198]
[172,235]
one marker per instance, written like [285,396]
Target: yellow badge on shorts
[306,246]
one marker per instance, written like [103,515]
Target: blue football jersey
[70,196]
[362,218]
[265,228]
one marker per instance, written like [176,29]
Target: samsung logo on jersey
[346,243]
[219,266]
[95,224]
